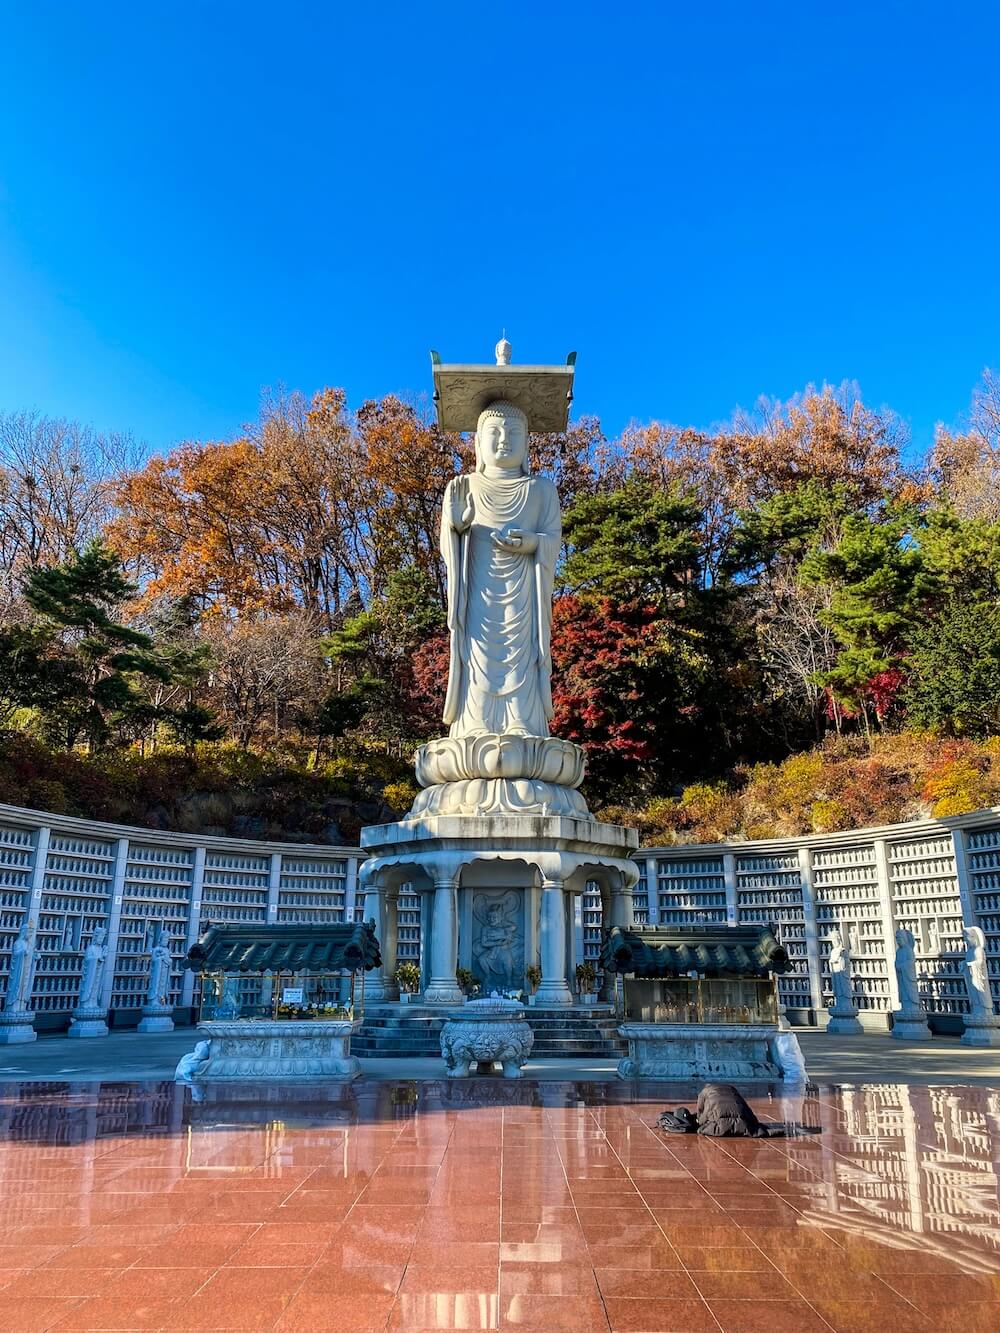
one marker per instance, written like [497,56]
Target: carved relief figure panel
[498,940]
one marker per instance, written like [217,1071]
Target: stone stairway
[396,1030]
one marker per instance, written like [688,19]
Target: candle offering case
[700,1003]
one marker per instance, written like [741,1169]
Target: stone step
[404,1031]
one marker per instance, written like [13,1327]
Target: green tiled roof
[329,948]
[711,951]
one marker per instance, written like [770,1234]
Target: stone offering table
[734,1052]
[266,1049]
[487,1031]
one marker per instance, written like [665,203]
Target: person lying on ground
[724,1114]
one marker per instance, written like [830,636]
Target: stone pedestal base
[266,1049]
[88,1023]
[908,1025]
[700,1052]
[156,1020]
[440,992]
[844,1025]
[488,1032]
[546,858]
[982,1033]
[17,1026]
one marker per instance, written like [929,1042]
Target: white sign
[292,994]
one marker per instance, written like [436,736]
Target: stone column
[622,908]
[608,979]
[730,881]
[442,987]
[389,941]
[193,924]
[376,988]
[553,989]
[811,928]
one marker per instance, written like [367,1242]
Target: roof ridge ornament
[503,350]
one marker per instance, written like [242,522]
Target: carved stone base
[500,796]
[844,1026]
[88,1023]
[982,1032]
[461,758]
[17,1026]
[266,1048]
[910,1026]
[490,1031]
[155,1019]
[700,1052]
[443,992]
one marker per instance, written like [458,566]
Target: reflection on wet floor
[485,1204]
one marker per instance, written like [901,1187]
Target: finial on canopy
[503,350]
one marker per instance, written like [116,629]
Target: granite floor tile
[763,1316]
[650,1314]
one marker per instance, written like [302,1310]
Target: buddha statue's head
[502,439]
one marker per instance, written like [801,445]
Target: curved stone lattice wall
[933,877]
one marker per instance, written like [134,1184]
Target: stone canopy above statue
[543,393]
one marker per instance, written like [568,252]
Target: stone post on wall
[811,929]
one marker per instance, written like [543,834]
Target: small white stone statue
[977,977]
[160,964]
[982,1026]
[909,1022]
[188,1065]
[500,539]
[840,972]
[94,957]
[906,972]
[843,1012]
[22,969]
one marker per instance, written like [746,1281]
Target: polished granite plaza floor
[485,1204]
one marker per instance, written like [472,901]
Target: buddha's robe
[500,609]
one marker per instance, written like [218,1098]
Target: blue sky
[707,202]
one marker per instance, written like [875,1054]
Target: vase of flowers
[408,981]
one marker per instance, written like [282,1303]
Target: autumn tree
[408,461]
[266,522]
[965,465]
[56,491]
[266,672]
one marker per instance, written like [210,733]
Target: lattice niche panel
[984,873]
[923,886]
[846,892]
[76,899]
[769,891]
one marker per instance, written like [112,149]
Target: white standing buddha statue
[499,837]
[500,538]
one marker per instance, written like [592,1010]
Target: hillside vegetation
[785,624]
